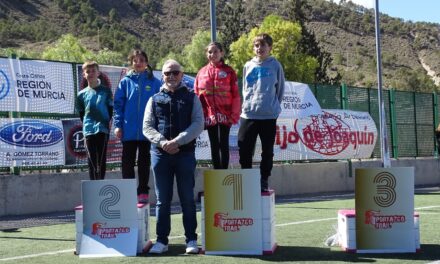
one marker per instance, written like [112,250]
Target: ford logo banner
[29,133]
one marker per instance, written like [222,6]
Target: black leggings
[129,149]
[248,132]
[96,147]
[219,139]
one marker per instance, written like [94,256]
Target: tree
[108,57]
[193,56]
[113,15]
[67,48]
[194,53]
[234,22]
[308,43]
[286,35]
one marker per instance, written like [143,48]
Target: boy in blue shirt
[95,108]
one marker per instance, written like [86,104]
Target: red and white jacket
[217,88]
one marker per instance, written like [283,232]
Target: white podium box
[347,230]
[143,217]
[268,222]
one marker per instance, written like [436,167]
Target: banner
[334,134]
[385,210]
[31,142]
[110,218]
[298,101]
[74,144]
[233,221]
[36,86]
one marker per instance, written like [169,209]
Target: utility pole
[384,153]
[213,23]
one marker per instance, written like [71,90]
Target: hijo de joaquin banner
[36,86]
[31,142]
[333,134]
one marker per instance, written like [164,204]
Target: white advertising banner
[203,146]
[334,134]
[31,142]
[36,86]
[110,218]
[298,101]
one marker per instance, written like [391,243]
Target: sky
[414,10]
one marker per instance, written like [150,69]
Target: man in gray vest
[173,120]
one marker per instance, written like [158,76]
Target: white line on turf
[38,255]
[307,221]
[427,207]
[176,237]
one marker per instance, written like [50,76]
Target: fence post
[415,124]
[15,170]
[344,99]
[435,111]
[394,138]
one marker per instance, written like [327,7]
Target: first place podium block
[237,218]
[143,216]
[269,244]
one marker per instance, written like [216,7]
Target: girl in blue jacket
[131,97]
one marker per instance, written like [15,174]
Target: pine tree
[308,44]
[234,22]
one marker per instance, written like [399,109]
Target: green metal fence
[410,117]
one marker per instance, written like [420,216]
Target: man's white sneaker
[158,248]
[191,247]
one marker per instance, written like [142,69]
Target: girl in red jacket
[216,85]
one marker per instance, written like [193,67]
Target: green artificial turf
[298,240]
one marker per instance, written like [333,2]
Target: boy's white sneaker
[158,248]
[191,247]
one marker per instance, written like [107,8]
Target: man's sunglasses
[175,73]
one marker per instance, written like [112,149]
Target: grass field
[302,226]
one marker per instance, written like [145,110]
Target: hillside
[410,51]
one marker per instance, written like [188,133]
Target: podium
[347,230]
[237,219]
[143,216]
[384,204]
[110,223]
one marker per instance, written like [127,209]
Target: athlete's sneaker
[158,248]
[143,198]
[191,247]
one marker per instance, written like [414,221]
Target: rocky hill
[410,51]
